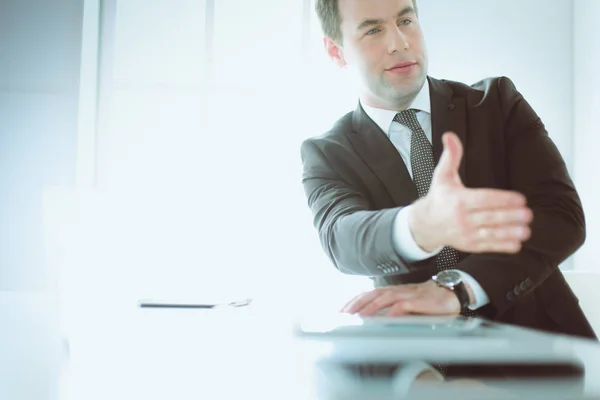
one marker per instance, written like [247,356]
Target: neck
[397,104]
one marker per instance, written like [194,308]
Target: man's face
[383,44]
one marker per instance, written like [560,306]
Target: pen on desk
[162,305]
[234,304]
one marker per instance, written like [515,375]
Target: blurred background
[151,148]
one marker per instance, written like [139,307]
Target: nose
[397,41]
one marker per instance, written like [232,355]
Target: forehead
[353,12]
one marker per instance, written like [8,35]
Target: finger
[362,300]
[447,168]
[502,234]
[511,216]
[385,300]
[427,303]
[403,307]
[510,247]
[486,199]
[359,301]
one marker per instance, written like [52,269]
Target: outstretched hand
[470,220]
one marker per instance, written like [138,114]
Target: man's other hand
[422,298]
[470,220]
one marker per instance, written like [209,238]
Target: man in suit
[452,198]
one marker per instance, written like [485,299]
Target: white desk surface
[124,352]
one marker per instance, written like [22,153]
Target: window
[202,107]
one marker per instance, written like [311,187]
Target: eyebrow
[370,22]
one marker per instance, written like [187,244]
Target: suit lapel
[448,113]
[378,152]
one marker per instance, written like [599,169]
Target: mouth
[403,66]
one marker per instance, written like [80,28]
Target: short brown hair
[328,12]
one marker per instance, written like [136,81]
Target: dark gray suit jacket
[356,182]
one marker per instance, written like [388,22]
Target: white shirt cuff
[404,242]
[481,297]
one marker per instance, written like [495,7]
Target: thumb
[447,168]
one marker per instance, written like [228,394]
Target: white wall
[40,43]
[39,75]
[530,41]
[587,125]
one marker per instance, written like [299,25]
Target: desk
[119,351]
[185,354]
[361,358]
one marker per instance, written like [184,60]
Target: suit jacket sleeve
[357,239]
[536,169]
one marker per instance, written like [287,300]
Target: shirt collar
[383,118]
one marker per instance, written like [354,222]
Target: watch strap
[463,295]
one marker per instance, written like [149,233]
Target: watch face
[448,278]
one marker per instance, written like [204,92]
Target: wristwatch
[452,280]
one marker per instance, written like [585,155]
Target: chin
[402,90]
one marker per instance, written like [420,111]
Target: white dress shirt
[400,135]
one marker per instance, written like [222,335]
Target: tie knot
[408,118]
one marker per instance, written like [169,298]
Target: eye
[372,31]
[405,22]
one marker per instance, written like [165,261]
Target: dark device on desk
[471,348]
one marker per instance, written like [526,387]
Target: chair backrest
[585,284]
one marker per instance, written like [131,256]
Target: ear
[335,52]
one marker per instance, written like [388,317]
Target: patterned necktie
[422,165]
